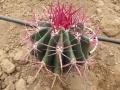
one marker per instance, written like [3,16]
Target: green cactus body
[78,49]
[48,57]
[85,43]
[57,69]
[71,48]
[36,36]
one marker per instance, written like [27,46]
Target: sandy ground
[105,75]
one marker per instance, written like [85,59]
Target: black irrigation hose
[101,38]
[17,21]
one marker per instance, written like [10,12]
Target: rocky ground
[105,75]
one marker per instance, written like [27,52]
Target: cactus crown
[61,16]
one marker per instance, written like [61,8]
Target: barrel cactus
[61,41]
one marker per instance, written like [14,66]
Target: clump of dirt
[103,76]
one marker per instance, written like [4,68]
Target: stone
[18,68]
[98,75]
[10,86]
[110,25]
[7,66]
[0,87]
[9,80]
[46,88]
[117,69]
[100,3]
[111,54]
[11,54]
[37,87]
[116,8]
[1,73]
[112,72]
[30,80]
[98,10]
[3,86]
[20,84]
[18,55]
[2,54]
[58,86]
[1,1]
[17,75]
[4,75]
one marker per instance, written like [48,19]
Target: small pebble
[17,75]
[9,80]
[7,66]
[10,86]
[20,84]
[1,73]
[30,80]
[4,75]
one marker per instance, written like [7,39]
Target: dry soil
[105,75]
